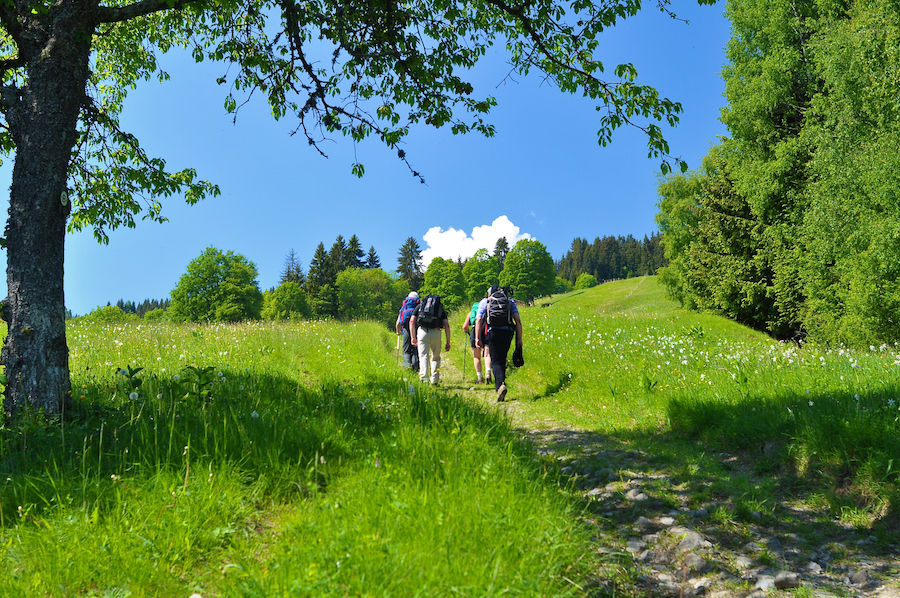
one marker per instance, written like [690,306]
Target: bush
[110,314]
[585,281]
[286,302]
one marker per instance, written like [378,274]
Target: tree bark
[42,117]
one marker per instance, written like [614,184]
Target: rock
[635,494]
[643,522]
[764,582]
[814,567]
[859,577]
[667,521]
[635,546]
[567,470]
[774,546]
[743,562]
[787,579]
[691,540]
[694,562]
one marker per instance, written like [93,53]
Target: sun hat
[412,295]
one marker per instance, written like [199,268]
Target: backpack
[498,311]
[406,311]
[430,312]
[473,315]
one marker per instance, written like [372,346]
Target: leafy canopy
[357,69]
[217,287]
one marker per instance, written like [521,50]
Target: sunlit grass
[273,458]
[623,359]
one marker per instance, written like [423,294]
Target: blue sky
[543,175]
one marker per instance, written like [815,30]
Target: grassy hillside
[622,359]
[300,459]
[267,460]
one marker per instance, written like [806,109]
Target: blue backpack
[406,311]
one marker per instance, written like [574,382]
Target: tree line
[344,282]
[791,224]
[611,258]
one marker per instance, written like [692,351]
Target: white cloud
[452,243]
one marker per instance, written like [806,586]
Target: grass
[273,460]
[621,359]
[300,459]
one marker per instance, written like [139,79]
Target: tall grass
[273,459]
[621,358]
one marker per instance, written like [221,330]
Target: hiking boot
[480,380]
[501,393]
[488,379]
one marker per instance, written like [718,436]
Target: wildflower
[254,415]
[891,402]
[133,396]
[159,396]
[175,377]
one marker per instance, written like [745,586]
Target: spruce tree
[410,263]
[372,259]
[355,254]
[293,270]
[500,251]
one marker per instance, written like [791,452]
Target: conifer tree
[410,263]
[500,251]
[293,270]
[372,259]
[355,254]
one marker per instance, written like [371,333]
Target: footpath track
[648,548]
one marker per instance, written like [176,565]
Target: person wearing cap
[410,354]
[497,339]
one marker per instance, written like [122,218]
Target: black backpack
[498,311]
[430,312]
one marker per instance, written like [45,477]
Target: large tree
[217,287]
[480,272]
[529,270]
[355,68]
[445,278]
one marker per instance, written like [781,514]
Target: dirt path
[663,533]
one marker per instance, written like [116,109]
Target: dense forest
[791,224]
[612,258]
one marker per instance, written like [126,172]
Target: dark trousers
[410,353]
[498,341]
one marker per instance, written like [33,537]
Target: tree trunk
[42,119]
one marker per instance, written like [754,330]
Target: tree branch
[118,14]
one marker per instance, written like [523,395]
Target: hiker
[410,354]
[425,331]
[478,353]
[496,324]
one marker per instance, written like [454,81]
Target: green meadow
[300,459]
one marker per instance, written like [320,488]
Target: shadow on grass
[721,494]
[287,438]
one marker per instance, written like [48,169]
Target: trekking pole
[465,357]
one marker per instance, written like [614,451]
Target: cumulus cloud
[453,243]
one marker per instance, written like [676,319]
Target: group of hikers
[492,325]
